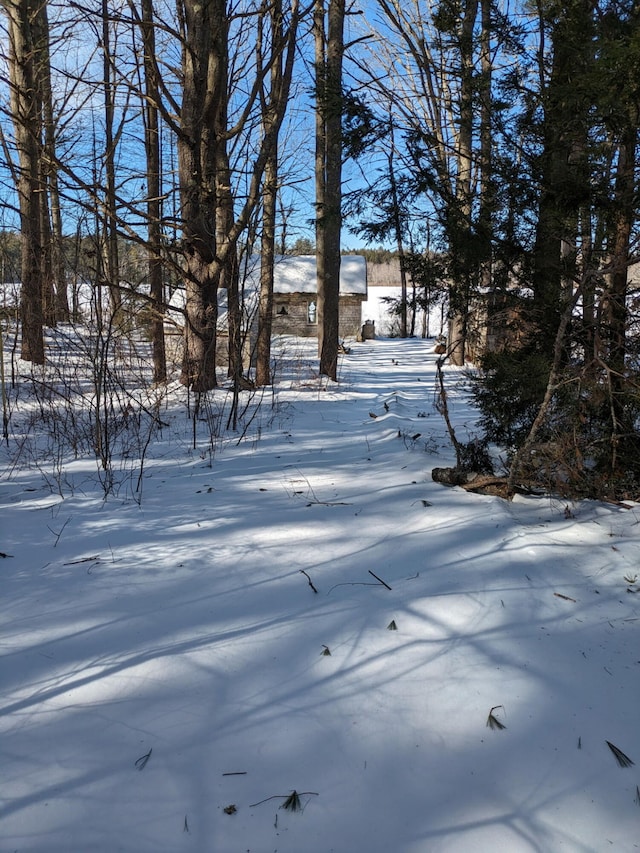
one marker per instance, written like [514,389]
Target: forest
[491,147]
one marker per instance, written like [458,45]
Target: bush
[589,442]
[474,457]
[508,392]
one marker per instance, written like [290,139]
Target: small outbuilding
[296,299]
[295,303]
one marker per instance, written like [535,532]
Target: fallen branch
[492,721]
[622,759]
[379,579]
[302,571]
[317,502]
[83,560]
[483,481]
[362,583]
[141,762]
[291,801]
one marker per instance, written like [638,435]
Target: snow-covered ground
[376,308]
[174,668]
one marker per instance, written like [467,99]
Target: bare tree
[329,49]
[26,111]
[424,62]
[397,228]
[269,212]
[211,229]
[111,264]
[54,276]
[154,190]
[458,223]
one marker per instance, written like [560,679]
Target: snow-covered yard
[307,611]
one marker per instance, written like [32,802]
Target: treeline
[493,146]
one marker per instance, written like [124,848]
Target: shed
[295,295]
[294,302]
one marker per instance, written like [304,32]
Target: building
[295,295]
[295,301]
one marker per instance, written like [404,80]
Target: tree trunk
[204,84]
[51,209]
[269,207]
[46,248]
[26,115]
[616,315]
[563,180]
[487,192]
[267,260]
[154,191]
[329,180]
[319,34]
[553,383]
[111,259]
[209,226]
[397,227]
[460,216]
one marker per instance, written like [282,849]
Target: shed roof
[297,274]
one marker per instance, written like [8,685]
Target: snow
[180,625]
[297,274]
[378,308]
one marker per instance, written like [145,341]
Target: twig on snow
[291,801]
[379,579]
[141,762]
[96,557]
[492,721]
[302,571]
[362,583]
[622,759]
[564,597]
